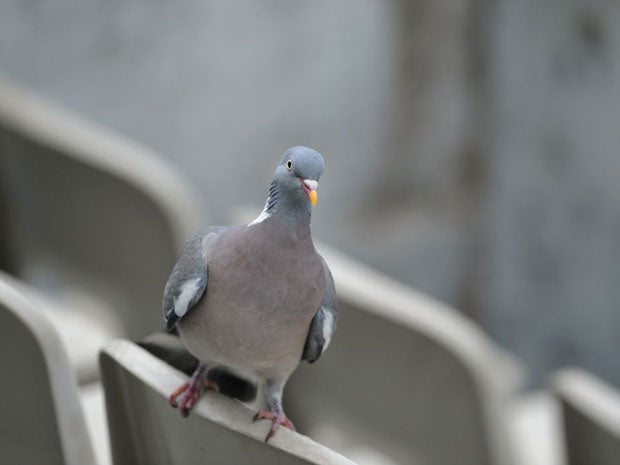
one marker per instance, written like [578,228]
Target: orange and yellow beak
[310,187]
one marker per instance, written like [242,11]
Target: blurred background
[471,147]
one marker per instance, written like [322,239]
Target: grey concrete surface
[590,413]
[88,214]
[553,216]
[42,421]
[404,377]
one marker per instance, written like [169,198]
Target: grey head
[293,189]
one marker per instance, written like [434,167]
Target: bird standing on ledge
[256,299]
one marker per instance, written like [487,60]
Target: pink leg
[192,390]
[277,419]
[275,412]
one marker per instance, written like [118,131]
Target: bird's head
[297,175]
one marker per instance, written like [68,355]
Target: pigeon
[256,299]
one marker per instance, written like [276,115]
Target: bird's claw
[172,400]
[277,419]
[193,390]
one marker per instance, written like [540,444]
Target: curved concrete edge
[536,426]
[163,379]
[79,321]
[590,395]
[77,448]
[29,114]
[496,373]
[365,287]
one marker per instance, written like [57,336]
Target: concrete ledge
[137,386]
[593,397]
[590,417]
[28,114]
[41,406]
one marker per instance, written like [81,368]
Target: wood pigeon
[256,299]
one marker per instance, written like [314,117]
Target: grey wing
[188,281]
[324,322]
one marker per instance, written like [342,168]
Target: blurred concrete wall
[553,223]
[470,145]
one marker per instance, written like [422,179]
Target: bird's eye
[289,165]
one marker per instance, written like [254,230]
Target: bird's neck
[286,209]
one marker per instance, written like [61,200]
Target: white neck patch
[262,217]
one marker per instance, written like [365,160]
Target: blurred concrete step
[590,417]
[84,324]
[535,424]
[93,406]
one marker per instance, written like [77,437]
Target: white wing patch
[188,291]
[328,328]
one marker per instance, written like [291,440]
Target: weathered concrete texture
[553,205]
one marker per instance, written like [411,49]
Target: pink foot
[192,391]
[276,421]
[176,393]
